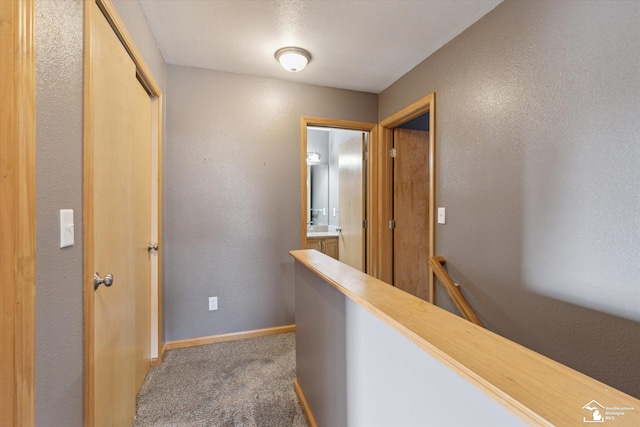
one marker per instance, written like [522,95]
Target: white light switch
[66,227]
[441,216]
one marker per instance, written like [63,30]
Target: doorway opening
[335,190]
[407,188]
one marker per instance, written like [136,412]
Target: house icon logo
[595,412]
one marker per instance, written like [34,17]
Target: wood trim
[148,81]
[371,211]
[304,403]
[339,124]
[18,213]
[415,109]
[539,390]
[161,350]
[234,336]
[303,182]
[372,129]
[87,208]
[432,188]
[453,291]
[158,360]
[385,184]
[384,206]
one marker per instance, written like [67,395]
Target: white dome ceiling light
[293,59]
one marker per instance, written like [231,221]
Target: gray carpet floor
[238,383]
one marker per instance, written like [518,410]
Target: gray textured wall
[232,195]
[538,157]
[59,294]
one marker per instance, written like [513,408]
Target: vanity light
[293,59]
[313,157]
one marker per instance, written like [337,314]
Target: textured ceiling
[355,44]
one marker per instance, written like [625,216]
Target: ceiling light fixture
[313,157]
[293,59]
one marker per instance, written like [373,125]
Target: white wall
[393,382]
[356,370]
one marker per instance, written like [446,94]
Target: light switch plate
[66,228]
[441,215]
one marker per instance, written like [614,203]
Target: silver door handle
[106,280]
[339,229]
[153,247]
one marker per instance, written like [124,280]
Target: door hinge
[392,224]
[392,153]
[365,223]
[365,156]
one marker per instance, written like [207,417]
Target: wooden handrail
[452,290]
[539,390]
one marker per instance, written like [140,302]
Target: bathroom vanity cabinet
[326,245]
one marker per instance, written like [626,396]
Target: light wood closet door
[411,211]
[121,127]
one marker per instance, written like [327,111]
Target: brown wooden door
[351,203]
[411,211]
[120,121]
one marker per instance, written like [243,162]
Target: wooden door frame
[146,79]
[18,213]
[384,167]
[372,129]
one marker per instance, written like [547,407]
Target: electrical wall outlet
[213,303]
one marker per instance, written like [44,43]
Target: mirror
[321,212]
[319,194]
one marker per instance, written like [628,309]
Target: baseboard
[194,342]
[163,350]
[158,360]
[305,405]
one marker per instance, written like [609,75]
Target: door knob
[153,247]
[106,280]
